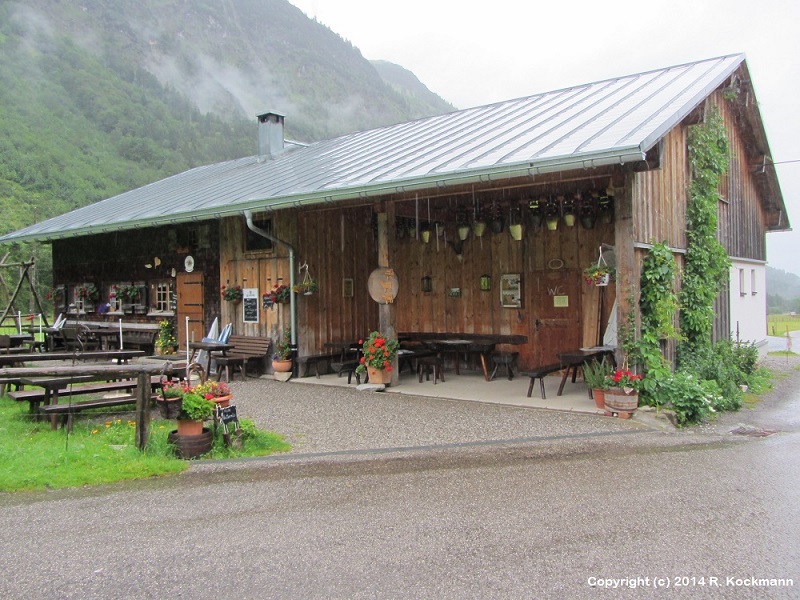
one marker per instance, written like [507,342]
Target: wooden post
[386,312]
[143,390]
[627,271]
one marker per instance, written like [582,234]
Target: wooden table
[209,347]
[576,358]
[52,385]
[122,356]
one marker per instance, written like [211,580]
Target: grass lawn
[780,324]
[100,449]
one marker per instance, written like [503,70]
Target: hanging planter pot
[515,227]
[552,222]
[498,224]
[479,228]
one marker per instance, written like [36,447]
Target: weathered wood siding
[336,244]
[660,195]
[742,222]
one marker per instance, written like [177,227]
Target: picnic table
[142,372]
[122,356]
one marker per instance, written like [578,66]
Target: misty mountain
[783,291]
[101,96]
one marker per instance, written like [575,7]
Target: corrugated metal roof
[607,122]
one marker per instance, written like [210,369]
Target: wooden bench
[540,373]
[315,360]
[140,339]
[36,396]
[68,411]
[245,348]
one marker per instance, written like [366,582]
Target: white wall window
[742,283]
[753,282]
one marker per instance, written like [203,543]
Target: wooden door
[556,324]
[190,304]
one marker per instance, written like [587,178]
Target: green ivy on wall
[707,263]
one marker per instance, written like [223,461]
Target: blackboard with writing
[250,305]
[227,414]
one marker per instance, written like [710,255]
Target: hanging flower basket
[598,274]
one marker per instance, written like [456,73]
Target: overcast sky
[481,52]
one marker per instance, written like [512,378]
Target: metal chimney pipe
[270,135]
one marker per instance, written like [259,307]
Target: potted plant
[279,294]
[194,410]
[595,373]
[232,293]
[597,274]
[622,391]
[282,358]
[171,399]
[378,355]
[217,392]
[166,342]
[307,287]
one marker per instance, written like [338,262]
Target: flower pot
[169,408]
[516,231]
[189,427]
[552,223]
[191,446]
[281,365]
[379,375]
[222,401]
[599,396]
[618,400]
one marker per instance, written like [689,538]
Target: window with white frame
[161,296]
[753,281]
[742,283]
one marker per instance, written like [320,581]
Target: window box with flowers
[232,293]
[86,296]
[378,355]
[279,294]
[622,393]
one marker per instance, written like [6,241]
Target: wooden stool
[505,359]
[428,364]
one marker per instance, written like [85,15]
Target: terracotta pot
[282,366]
[223,401]
[189,427]
[379,375]
[599,398]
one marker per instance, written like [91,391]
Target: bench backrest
[246,344]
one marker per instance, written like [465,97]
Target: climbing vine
[707,264]
[658,304]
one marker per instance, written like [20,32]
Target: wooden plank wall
[341,243]
[742,222]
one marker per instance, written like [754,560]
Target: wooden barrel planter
[617,400]
[191,446]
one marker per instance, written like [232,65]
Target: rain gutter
[292,306]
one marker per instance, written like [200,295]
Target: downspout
[292,307]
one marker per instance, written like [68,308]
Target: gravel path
[319,419]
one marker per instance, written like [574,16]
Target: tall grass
[780,324]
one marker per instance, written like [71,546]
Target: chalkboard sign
[227,414]
[250,305]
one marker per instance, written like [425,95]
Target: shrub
[691,398]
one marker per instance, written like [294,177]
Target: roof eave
[531,169]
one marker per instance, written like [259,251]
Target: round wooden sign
[383,285]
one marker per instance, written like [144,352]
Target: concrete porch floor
[470,385]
